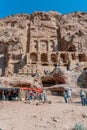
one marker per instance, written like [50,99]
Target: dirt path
[54,116]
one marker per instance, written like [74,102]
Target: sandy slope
[55,116]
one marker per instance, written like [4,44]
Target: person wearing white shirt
[69,94]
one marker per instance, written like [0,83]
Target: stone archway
[35,45]
[33,57]
[72,48]
[82,57]
[53,58]
[44,57]
[73,56]
[64,57]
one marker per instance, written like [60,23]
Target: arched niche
[72,48]
[64,57]
[73,56]
[53,58]
[33,57]
[35,45]
[44,57]
[44,45]
[52,46]
[82,57]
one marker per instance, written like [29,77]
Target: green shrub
[79,127]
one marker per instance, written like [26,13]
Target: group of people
[31,95]
[13,95]
[9,95]
[67,96]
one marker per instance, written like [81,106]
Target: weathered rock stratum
[34,43]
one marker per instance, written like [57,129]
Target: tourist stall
[9,93]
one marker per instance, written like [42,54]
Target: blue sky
[9,7]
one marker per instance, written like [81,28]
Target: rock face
[55,77]
[36,42]
[82,79]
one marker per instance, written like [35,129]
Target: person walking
[69,94]
[44,96]
[65,96]
[83,97]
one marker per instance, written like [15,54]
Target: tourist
[3,96]
[83,97]
[40,96]
[22,95]
[44,95]
[65,96]
[31,95]
[69,94]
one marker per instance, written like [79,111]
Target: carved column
[39,46]
[58,57]
[48,45]
[76,54]
[28,58]
[10,66]
[39,57]
[49,57]
[28,37]
[58,39]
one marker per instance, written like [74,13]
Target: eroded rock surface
[34,43]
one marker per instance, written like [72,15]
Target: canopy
[39,90]
[26,88]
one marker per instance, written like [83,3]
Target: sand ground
[55,116]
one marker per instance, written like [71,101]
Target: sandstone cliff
[37,39]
